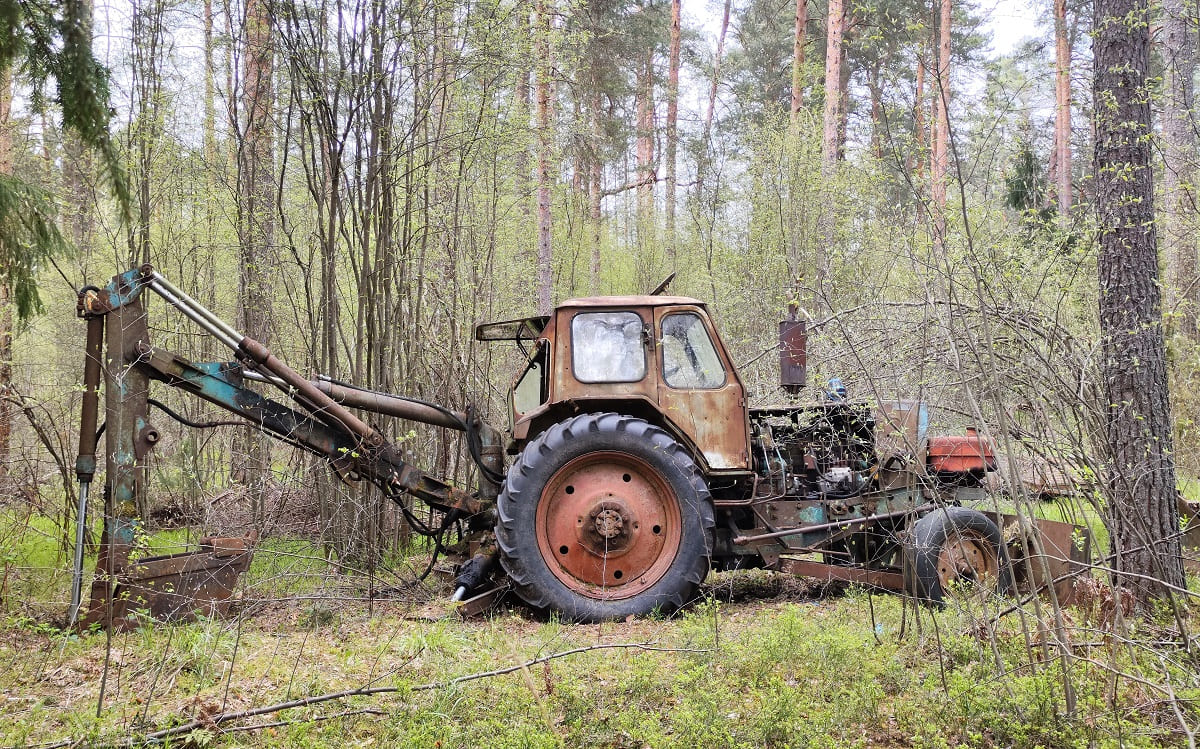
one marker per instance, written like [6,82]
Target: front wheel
[605,516]
[956,546]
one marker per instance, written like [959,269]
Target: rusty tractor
[636,467]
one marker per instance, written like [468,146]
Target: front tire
[604,516]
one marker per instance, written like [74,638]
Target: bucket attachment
[174,587]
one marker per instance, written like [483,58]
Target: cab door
[698,388]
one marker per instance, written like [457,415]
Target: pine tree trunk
[940,161]
[830,144]
[1062,119]
[1179,163]
[798,42]
[673,132]
[645,155]
[545,120]
[1139,479]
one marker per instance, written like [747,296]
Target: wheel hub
[965,557]
[609,522]
[608,525]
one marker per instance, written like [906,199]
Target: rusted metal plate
[818,570]
[793,352]
[608,525]
[175,587]
[900,443]
[482,603]
[1065,552]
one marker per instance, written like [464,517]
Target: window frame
[641,346]
[712,345]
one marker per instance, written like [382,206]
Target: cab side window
[690,360]
[607,347]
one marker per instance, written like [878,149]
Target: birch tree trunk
[6,303]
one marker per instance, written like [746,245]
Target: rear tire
[952,545]
[604,516]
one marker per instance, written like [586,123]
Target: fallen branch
[211,722]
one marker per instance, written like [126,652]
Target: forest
[986,208]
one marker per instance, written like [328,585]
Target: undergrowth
[843,670]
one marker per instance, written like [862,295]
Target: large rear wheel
[604,516]
[954,547]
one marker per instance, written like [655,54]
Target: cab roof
[643,300]
[530,328]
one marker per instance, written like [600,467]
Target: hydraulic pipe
[309,392]
[85,463]
[836,525]
[390,405]
[198,315]
[181,300]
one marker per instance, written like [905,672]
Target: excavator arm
[315,416]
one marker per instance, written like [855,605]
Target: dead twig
[211,722]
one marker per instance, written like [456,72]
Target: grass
[735,670]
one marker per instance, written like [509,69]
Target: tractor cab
[658,358]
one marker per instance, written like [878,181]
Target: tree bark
[798,42]
[1139,476]
[834,26]
[545,120]
[256,184]
[6,303]
[939,160]
[1062,118]
[646,175]
[920,141]
[1179,165]
[673,131]
[710,110]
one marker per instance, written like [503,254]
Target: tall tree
[799,39]
[1062,110]
[831,142]
[1139,478]
[545,156]
[646,173]
[1179,161]
[673,128]
[939,158]
[6,306]
[256,214]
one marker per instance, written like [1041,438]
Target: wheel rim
[608,525]
[967,556]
